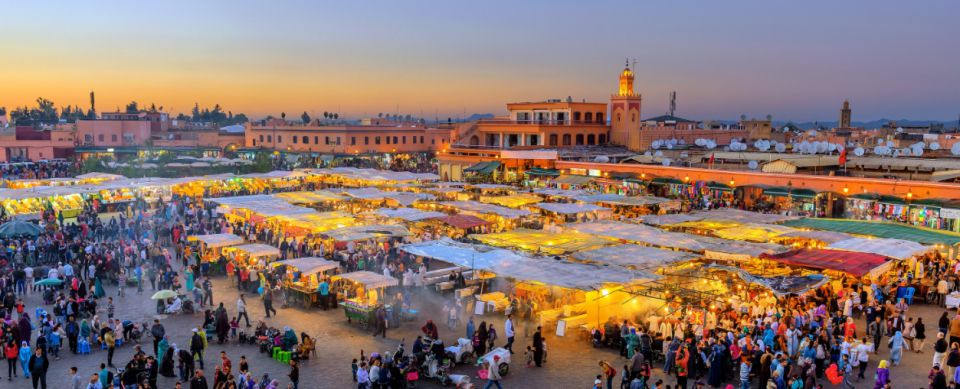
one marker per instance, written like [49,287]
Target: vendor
[324,289]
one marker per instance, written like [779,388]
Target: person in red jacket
[10,351]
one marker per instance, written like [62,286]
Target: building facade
[346,139]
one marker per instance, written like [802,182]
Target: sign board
[561,327]
[949,213]
[478,308]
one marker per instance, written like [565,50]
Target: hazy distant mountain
[478,116]
[869,125]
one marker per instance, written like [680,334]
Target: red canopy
[857,264]
[464,221]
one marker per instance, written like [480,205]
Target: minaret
[845,115]
[93,106]
[625,113]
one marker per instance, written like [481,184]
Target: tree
[3,111]
[133,107]
[326,115]
[336,116]
[153,108]
[196,112]
[408,117]
[380,115]
[305,118]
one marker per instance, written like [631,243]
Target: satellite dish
[647,153]
[899,129]
[764,146]
[917,151]
[711,144]
[601,159]
[666,162]
[858,151]
[955,149]
[889,143]
[879,142]
[752,165]
[683,141]
[700,142]
[780,147]
[831,147]
[658,154]
[655,144]
[669,146]
[934,146]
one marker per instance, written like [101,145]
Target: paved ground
[572,363]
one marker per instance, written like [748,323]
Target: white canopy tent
[256,250]
[475,207]
[638,233]
[634,256]
[893,248]
[217,240]
[309,265]
[571,208]
[409,214]
[827,237]
[615,199]
[370,280]
[356,233]
[507,263]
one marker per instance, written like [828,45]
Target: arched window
[316,140]
[404,139]
[254,143]
[600,118]
[306,140]
[566,139]
[591,139]
[602,138]
[474,141]
[579,139]
[618,116]
[553,139]
[588,117]
[576,116]
[633,117]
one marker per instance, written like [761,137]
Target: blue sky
[794,60]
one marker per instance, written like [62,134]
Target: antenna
[673,102]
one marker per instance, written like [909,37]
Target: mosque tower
[625,113]
[845,115]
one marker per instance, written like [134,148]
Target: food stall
[251,255]
[302,278]
[211,246]
[363,293]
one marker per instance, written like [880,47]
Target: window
[576,116]
[326,140]
[353,141]
[279,139]
[618,116]
[261,138]
[591,139]
[421,138]
[338,141]
[316,140]
[294,140]
[366,140]
[113,137]
[633,117]
[88,138]
[394,140]
[269,138]
[433,141]
[376,140]
[588,117]
[306,140]
[566,139]
[600,117]
[603,138]
[414,139]
[100,137]
[553,139]
[579,139]
[254,143]
[404,139]
[387,139]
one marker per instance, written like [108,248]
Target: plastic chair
[83,347]
[909,294]
[276,352]
[285,357]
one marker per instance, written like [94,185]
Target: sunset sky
[794,60]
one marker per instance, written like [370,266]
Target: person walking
[158,333]
[196,347]
[896,344]
[242,310]
[883,375]
[294,374]
[538,347]
[39,363]
[109,339]
[493,373]
[268,301]
[11,352]
[608,372]
[509,332]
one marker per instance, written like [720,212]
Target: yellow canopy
[320,222]
[545,242]
[512,201]
[754,232]
[706,224]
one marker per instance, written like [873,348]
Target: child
[353,368]
[121,282]
[110,308]
[244,366]
[529,355]
[625,377]
[234,326]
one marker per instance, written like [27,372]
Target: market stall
[572,212]
[634,257]
[251,255]
[363,293]
[303,278]
[210,249]
[855,264]
[893,248]
[512,201]
[544,242]
[879,229]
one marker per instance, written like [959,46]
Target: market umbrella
[17,228]
[49,282]
[164,294]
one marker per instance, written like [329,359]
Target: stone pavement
[571,362]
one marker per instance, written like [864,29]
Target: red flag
[712,155]
[843,156]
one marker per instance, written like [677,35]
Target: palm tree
[283,115]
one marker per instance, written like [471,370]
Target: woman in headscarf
[633,341]
[896,348]
[85,331]
[289,338]
[162,346]
[222,324]
[24,357]
[481,344]
[24,328]
[98,291]
[671,355]
[188,275]
[883,375]
[166,362]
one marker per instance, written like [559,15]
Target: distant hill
[870,124]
